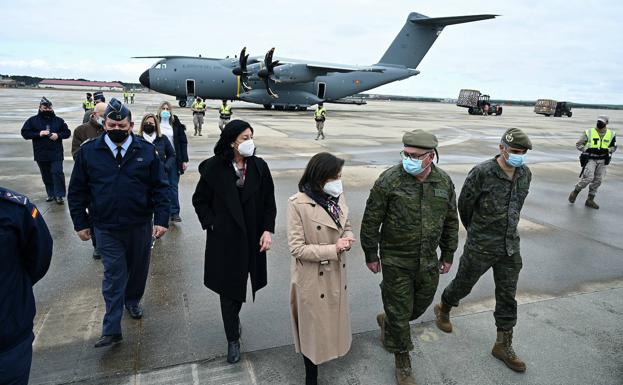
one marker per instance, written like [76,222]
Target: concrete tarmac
[569,290]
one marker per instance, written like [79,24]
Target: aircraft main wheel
[569,114]
[291,108]
[499,111]
[268,106]
[182,103]
[279,108]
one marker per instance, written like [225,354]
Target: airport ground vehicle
[549,107]
[477,103]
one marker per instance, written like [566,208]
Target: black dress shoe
[49,199]
[135,311]
[233,352]
[96,254]
[108,340]
[60,201]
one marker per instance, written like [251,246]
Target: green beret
[419,139]
[516,138]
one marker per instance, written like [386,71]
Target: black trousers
[53,178]
[230,310]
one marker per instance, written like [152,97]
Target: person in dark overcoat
[235,203]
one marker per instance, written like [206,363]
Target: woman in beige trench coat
[319,234]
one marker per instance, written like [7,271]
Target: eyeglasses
[405,155]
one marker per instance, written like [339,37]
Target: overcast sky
[565,50]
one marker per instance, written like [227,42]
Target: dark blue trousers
[53,178]
[125,255]
[15,364]
[174,181]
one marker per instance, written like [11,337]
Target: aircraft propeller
[241,70]
[267,71]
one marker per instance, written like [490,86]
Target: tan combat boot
[590,202]
[573,195]
[503,350]
[404,374]
[442,317]
[380,320]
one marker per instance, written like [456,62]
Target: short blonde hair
[157,123]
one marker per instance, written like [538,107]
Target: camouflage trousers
[320,128]
[407,293]
[593,175]
[505,275]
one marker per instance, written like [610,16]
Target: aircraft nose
[144,79]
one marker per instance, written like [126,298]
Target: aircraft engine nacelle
[293,73]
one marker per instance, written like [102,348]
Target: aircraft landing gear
[268,106]
[182,103]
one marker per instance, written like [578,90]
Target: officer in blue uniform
[24,259]
[47,131]
[120,179]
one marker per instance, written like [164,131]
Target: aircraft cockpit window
[160,66]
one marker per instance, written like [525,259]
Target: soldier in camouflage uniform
[411,211]
[490,204]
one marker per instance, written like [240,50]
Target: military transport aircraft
[295,84]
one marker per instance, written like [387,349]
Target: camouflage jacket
[490,204]
[406,219]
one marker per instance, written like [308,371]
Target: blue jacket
[43,148]
[24,259]
[118,195]
[166,153]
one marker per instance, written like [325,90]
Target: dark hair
[320,168]
[228,136]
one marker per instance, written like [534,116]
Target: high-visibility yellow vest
[198,105]
[88,104]
[225,110]
[319,112]
[595,141]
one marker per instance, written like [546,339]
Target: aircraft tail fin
[418,35]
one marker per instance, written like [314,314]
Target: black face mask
[118,136]
[47,114]
[149,128]
[601,124]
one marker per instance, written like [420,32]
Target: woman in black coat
[235,203]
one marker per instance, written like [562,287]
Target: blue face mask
[165,114]
[411,166]
[516,160]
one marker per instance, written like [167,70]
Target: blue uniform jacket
[24,259]
[43,148]
[118,196]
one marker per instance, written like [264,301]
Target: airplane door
[322,87]
[190,87]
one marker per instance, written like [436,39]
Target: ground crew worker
[47,131]
[24,259]
[320,117]
[119,178]
[411,211]
[199,110]
[597,145]
[224,115]
[132,97]
[126,96]
[88,104]
[92,129]
[490,204]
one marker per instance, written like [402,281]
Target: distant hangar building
[80,85]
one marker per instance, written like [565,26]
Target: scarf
[327,202]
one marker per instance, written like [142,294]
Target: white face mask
[333,188]
[246,148]
[100,121]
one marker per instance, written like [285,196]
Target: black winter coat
[234,220]
[180,141]
[44,148]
